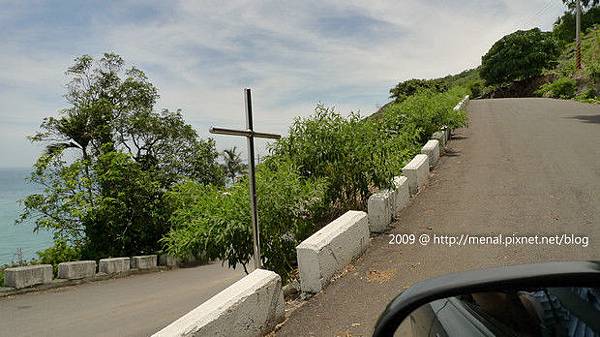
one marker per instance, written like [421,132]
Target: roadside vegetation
[329,163]
[119,178]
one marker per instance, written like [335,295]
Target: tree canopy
[564,27]
[408,88]
[518,56]
[109,159]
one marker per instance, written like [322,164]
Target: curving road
[138,305]
[524,166]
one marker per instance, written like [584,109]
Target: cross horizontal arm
[244,133]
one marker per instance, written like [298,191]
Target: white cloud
[293,54]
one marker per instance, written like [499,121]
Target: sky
[201,54]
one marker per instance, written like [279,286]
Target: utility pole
[578,37]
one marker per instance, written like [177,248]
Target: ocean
[17,237]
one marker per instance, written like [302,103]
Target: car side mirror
[550,299]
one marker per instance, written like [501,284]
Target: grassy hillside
[566,82]
[467,82]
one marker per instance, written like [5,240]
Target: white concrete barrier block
[167,260]
[446,131]
[331,249]
[76,270]
[380,210]
[441,136]
[115,265]
[432,150]
[144,262]
[27,276]
[250,307]
[417,172]
[402,194]
[463,103]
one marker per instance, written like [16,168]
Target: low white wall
[144,261]
[463,103]
[401,194]
[432,150]
[331,249]
[441,136]
[380,209]
[167,260]
[417,172]
[115,265]
[250,307]
[27,276]
[76,270]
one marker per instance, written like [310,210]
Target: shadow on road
[594,119]
[452,153]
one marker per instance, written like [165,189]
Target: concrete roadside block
[144,262]
[115,265]
[331,249]
[446,132]
[463,103]
[441,136]
[401,194]
[167,260]
[250,307]
[27,276]
[432,150]
[380,210]
[76,270]
[417,172]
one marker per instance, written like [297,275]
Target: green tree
[233,165]
[109,158]
[564,27]
[520,55]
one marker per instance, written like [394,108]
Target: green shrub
[216,222]
[476,89]
[425,113]
[587,96]
[352,153]
[59,252]
[593,71]
[564,88]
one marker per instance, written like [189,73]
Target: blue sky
[200,54]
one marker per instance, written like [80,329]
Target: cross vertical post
[252,178]
[250,134]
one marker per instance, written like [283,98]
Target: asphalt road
[524,166]
[138,305]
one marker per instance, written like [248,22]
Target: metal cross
[250,134]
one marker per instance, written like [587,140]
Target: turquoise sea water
[14,237]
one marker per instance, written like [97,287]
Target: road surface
[138,305]
[525,166]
